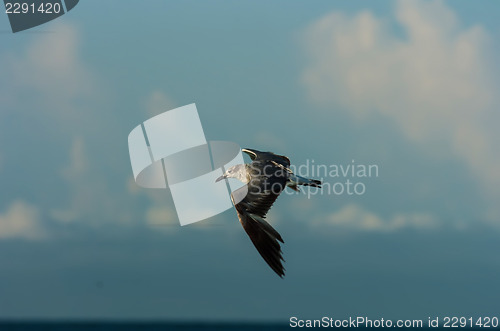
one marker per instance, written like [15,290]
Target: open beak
[220,178]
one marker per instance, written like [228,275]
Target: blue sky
[411,87]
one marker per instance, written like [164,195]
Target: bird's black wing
[266,183]
[256,155]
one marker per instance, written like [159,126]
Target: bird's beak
[220,178]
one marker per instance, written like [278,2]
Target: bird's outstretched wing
[256,155]
[263,189]
[265,239]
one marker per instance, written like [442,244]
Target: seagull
[266,177]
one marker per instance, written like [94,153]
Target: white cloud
[158,102]
[161,215]
[21,220]
[51,72]
[75,174]
[48,79]
[90,198]
[355,217]
[435,84]
[133,187]
[160,211]
[78,160]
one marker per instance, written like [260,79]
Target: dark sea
[139,326]
[151,326]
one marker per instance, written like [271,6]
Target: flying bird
[266,177]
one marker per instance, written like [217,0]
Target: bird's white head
[238,171]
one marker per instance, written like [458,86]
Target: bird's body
[266,177]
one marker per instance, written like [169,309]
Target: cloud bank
[21,220]
[434,83]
